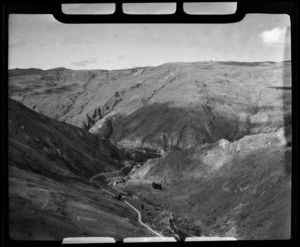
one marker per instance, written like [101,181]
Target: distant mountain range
[175,105]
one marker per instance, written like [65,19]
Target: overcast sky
[39,41]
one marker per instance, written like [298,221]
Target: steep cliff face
[172,106]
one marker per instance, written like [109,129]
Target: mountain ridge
[232,100]
[215,136]
[129,68]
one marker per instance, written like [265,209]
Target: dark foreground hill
[172,106]
[50,196]
[56,147]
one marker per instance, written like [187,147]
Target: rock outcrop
[102,128]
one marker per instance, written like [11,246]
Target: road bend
[141,222]
[103,174]
[135,209]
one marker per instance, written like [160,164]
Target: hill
[215,135]
[24,72]
[172,106]
[56,147]
[50,196]
[240,189]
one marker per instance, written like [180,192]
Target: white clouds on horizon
[277,36]
[85,62]
[40,41]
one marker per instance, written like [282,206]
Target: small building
[117,197]
[156,185]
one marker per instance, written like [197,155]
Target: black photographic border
[243,7]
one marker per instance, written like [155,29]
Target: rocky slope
[50,196]
[238,189]
[216,135]
[172,106]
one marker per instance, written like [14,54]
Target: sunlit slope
[172,106]
[240,189]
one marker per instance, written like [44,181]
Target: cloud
[85,62]
[16,41]
[276,37]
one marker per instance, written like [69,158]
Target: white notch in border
[149,8]
[199,239]
[86,240]
[89,9]
[149,239]
[210,8]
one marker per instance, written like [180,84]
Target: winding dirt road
[142,223]
[135,209]
[101,174]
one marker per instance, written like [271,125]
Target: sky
[40,41]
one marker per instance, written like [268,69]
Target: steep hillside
[50,196]
[240,189]
[172,106]
[43,145]
[215,135]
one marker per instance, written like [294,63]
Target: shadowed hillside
[198,102]
[214,136]
[43,145]
[50,196]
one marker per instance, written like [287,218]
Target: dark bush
[156,186]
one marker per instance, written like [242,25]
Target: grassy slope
[176,105]
[56,145]
[41,208]
[50,163]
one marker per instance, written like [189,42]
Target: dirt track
[136,210]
